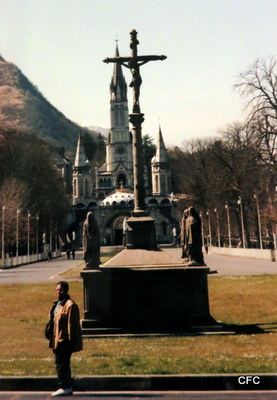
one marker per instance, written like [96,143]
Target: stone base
[141,233]
[132,299]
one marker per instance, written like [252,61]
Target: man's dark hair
[64,285]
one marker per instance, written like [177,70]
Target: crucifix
[133,63]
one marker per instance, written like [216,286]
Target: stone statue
[184,243]
[135,84]
[91,242]
[193,237]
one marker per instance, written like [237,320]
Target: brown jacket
[66,326]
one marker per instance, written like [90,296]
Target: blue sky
[60,44]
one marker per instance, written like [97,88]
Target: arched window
[92,204]
[75,187]
[156,184]
[163,184]
[165,201]
[152,201]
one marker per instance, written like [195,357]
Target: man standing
[64,337]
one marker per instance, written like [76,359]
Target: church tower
[161,177]
[82,185]
[118,169]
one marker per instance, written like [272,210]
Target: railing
[10,262]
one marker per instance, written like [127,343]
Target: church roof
[119,197]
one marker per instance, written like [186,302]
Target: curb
[217,382]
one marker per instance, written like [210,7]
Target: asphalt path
[39,272]
[220,265]
[227,265]
[242,395]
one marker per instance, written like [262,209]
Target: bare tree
[259,86]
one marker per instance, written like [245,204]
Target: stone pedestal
[144,299]
[141,233]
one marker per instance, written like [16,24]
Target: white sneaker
[63,392]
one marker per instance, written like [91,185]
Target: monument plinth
[155,294]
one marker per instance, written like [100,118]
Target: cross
[134,63]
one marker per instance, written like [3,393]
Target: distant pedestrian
[68,254]
[49,256]
[64,334]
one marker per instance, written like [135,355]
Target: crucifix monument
[141,228]
[141,289]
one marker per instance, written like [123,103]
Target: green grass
[233,300]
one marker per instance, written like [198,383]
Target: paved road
[48,271]
[39,272]
[227,265]
[243,395]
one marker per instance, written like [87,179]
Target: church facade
[111,197]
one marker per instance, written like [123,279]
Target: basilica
[110,194]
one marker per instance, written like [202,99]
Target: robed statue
[184,243]
[91,242]
[191,237]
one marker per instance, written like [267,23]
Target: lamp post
[37,219]
[17,234]
[28,236]
[218,229]
[50,237]
[259,220]
[228,224]
[210,231]
[3,236]
[242,222]
[202,228]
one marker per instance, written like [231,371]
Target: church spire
[80,157]
[161,155]
[118,87]
[161,179]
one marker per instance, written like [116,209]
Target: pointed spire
[118,80]
[161,155]
[80,158]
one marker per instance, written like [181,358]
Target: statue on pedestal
[191,237]
[184,244]
[91,242]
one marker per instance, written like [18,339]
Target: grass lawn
[233,300]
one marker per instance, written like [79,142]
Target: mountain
[23,107]
[98,129]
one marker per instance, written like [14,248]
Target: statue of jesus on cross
[133,63]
